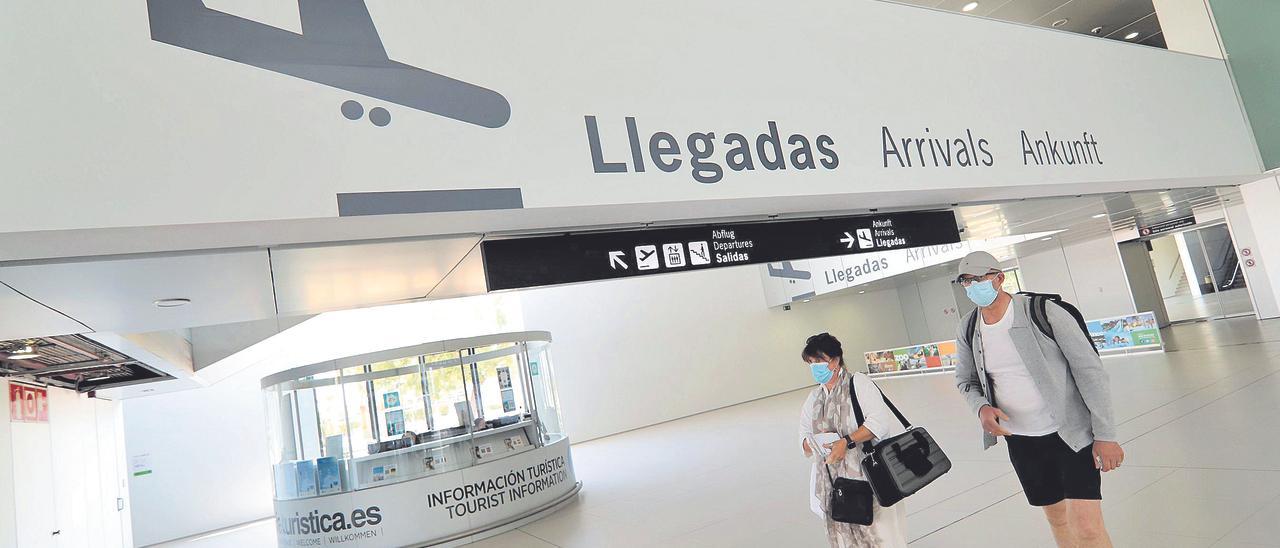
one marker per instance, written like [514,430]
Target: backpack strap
[1039,315]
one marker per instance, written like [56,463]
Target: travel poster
[1125,332]
[882,361]
[937,355]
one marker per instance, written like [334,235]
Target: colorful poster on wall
[1136,331]
[882,361]
[947,356]
[912,359]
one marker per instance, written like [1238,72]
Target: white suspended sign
[792,281]
[181,111]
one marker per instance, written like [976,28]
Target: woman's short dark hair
[822,344]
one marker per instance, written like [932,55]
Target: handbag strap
[857,412]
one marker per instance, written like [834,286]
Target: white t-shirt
[1016,392]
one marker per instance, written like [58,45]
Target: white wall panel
[209,459]
[940,308]
[913,316]
[8,503]
[1088,274]
[1261,201]
[61,476]
[1101,287]
[1047,272]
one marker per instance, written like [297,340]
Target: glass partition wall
[339,427]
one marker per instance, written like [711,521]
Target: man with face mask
[1047,395]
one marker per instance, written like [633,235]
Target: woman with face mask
[828,414]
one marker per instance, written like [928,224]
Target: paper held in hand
[818,442]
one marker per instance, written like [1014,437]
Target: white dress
[888,524]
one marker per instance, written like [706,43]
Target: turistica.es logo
[316,522]
[339,46]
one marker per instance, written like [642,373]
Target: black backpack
[1040,317]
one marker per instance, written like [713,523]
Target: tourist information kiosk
[434,444]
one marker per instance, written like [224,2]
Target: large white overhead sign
[181,111]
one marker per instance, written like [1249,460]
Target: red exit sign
[28,403]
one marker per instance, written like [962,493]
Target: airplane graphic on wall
[339,47]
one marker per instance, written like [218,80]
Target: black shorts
[1050,471]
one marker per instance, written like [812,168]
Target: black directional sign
[550,260]
[1167,226]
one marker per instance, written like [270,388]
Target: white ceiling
[323,278]
[24,318]
[241,297]
[1080,218]
[119,295]
[248,285]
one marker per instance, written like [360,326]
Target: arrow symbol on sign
[847,240]
[615,260]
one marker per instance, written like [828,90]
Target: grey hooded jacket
[1068,374]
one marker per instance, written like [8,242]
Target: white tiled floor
[1200,424]
[1213,305]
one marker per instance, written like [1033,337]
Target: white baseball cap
[978,263]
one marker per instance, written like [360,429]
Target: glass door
[1231,294]
[1200,275]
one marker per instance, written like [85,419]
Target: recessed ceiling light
[1046,239]
[1060,22]
[807,300]
[1096,30]
[26,353]
[1100,215]
[861,292]
[970,6]
[1131,36]
[172,303]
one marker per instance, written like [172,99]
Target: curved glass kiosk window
[432,444]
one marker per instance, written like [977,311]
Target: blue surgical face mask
[821,372]
[982,293]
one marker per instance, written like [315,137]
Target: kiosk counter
[436,444]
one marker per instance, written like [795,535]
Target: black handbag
[850,500]
[898,467]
